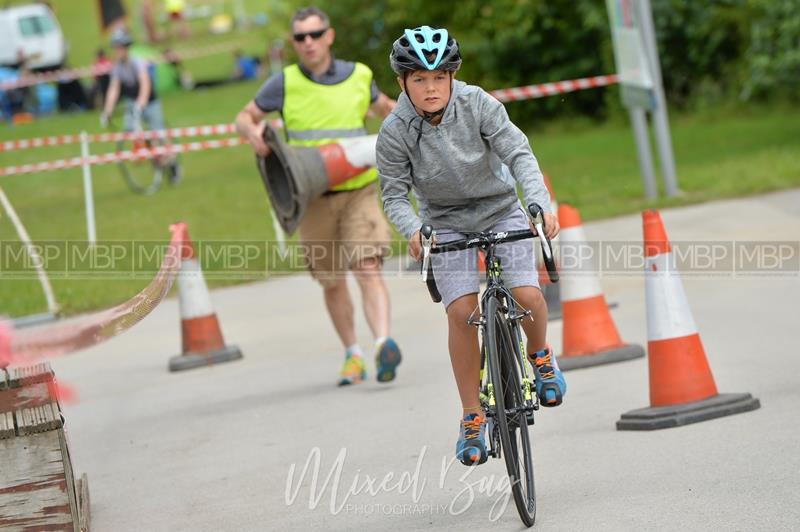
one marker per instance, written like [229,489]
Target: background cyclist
[130,80]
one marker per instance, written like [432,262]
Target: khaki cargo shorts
[340,230]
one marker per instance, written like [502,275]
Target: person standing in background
[323,99]
[176,12]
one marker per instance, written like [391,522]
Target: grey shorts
[456,272]
[152,116]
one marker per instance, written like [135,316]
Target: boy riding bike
[447,141]
[130,80]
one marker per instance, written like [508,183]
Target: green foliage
[504,43]
[700,46]
[773,56]
[709,50]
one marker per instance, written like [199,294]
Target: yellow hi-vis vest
[175,6]
[315,114]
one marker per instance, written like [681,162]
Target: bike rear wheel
[505,375]
[143,176]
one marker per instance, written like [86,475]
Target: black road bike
[507,384]
[144,175]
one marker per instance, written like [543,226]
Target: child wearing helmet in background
[447,142]
[130,80]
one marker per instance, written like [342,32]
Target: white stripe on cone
[668,312]
[360,151]
[195,301]
[579,278]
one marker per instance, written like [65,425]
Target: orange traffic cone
[203,344]
[590,336]
[295,175]
[481,262]
[682,389]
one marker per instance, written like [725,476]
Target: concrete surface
[212,449]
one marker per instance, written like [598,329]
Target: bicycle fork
[529,396]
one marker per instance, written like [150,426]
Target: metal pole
[660,119]
[639,123]
[88,197]
[36,259]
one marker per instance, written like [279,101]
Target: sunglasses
[300,37]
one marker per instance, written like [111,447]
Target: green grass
[731,153]
[221,198]
[719,154]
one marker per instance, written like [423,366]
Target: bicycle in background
[144,175]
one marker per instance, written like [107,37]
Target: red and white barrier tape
[548,89]
[193,131]
[56,75]
[504,95]
[68,74]
[132,155]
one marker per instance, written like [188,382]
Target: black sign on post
[111,12]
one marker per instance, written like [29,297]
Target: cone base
[608,356]
[662,417]
[195,360]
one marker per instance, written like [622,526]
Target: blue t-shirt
[248,67]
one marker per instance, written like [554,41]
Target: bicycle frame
[496,289]
[506,388]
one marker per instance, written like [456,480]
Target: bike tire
[514,435]
[142,177]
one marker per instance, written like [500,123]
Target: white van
[33,32]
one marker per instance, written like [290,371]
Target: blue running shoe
[387,359]
[550,384]
[471,445]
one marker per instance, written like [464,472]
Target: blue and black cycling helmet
[425,48]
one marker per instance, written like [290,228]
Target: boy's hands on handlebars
[551,227]
[415,248]
[415,245]
[547,220]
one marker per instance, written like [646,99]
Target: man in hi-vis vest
[323,99]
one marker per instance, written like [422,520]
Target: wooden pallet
[38,490]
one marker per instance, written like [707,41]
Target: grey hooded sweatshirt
[455,168]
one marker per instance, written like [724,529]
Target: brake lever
[537,218]
[545,248]
[426,235]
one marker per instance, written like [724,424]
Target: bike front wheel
[142,175]
[506,377]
